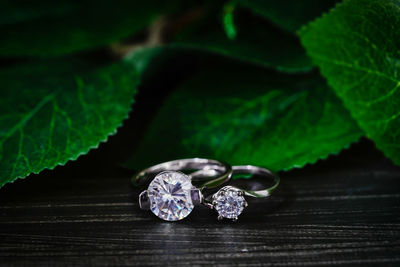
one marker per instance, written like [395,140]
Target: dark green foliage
[357,48]
[50,29]
[289,14]
[255,42]
[245,115]
[54,111]
[256,98]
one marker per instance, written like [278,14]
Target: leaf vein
[27,117]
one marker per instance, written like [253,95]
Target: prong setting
[197,196]
[144,201]
[229,202]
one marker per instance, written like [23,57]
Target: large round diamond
[169,195]
[229,202]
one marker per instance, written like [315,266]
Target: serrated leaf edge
[322,158]
[84,152]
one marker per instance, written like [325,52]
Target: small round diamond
[229,202]
[170,196]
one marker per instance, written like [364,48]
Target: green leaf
[357,49]
[255,41]
[44,29]
[289,14]
[246,115]
[54,111]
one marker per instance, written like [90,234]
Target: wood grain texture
[343,211]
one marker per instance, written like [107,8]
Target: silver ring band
[229,201]
[250,169]
[204,169]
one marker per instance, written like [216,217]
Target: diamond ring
[171,195]
[229,201]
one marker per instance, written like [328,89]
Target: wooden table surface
[344,210]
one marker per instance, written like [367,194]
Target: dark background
[341,211]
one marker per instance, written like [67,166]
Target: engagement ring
[171,195]
[229,201]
